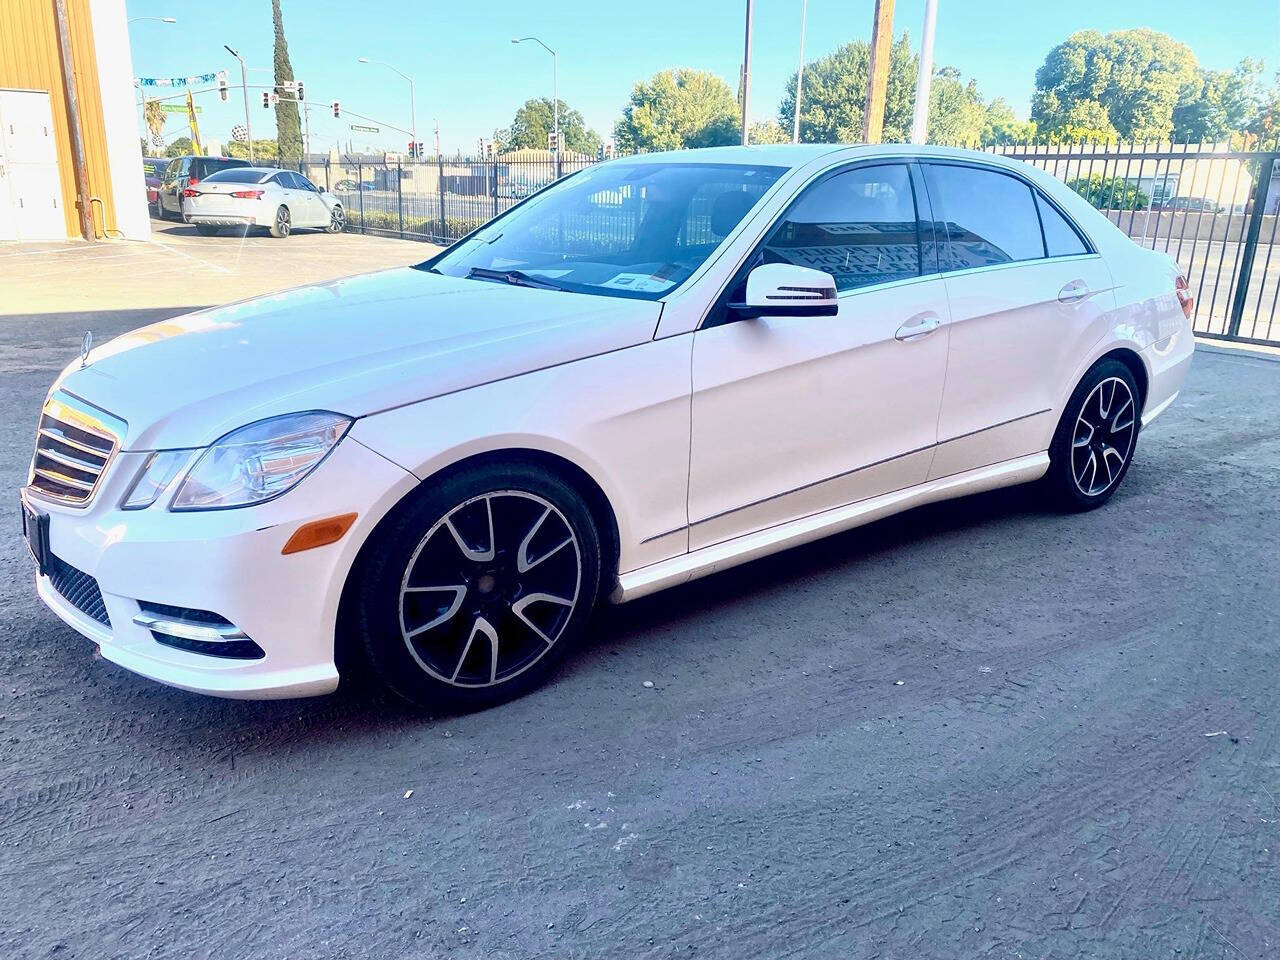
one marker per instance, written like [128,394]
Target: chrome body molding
[722,556]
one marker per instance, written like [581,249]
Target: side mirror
[787,290]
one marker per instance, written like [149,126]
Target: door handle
[1073,292]
[917,328]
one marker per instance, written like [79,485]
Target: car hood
[354,346]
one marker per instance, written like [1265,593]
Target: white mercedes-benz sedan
[657,368]
[243,197]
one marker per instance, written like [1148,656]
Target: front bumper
[227,562]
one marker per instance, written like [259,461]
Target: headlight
[261,461]
[156,474]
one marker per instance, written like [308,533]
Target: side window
[171,171]
[859,226]
[185,169]
[281,180]
[988,217]
[1060,238]
[306,184]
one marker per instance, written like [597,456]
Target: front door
[792,416]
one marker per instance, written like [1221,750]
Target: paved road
[978,730]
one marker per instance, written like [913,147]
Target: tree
[956,111]
[1110,193]
[1136,77]
[154,117]
[677,109]
[835,92]
[264,151]
[288,129]
[1265,126]
[1218,103]
[533,121]
[180,147]
[768,131]
[1001,125]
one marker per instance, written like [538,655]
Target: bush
[1110,193]
[428,228]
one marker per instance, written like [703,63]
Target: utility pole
[78,163]
[878,72]
[795,128]
[244,87]
[920,115]
[306,126]
[746,77]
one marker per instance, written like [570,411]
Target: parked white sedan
[658,368]
[245,197]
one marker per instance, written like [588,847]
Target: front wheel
[478,586]
[1094,443]
[282,225]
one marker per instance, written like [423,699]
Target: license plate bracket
[35,531]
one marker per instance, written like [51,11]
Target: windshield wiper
[517,278]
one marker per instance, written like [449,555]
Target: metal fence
[1213,209]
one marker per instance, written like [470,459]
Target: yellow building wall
[29,61]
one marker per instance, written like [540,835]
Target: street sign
[363,129]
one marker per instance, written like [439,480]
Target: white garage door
[30,189]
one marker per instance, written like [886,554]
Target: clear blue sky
[472,78]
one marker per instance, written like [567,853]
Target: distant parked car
[264,197]
[184,172]
[1191,204]
[353,186]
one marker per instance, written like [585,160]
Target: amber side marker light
[319,533]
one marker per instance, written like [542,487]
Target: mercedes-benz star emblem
[85,346]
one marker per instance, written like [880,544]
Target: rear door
[1028,298]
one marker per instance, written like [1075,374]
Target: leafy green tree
[180,147]
[1086,122]
[264,151]
[676,109]
[1110,193]
[835,92]
[1136,77]
[536,119]
[768,131]
[1264,128]
[1218,103]
[956,111]
[1001,125]
[288,129]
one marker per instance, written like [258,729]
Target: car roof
[799,154]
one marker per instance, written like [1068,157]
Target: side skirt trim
[730,553]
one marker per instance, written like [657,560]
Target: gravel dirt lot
[976,730]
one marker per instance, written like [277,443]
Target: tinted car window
[1060,238]
[858,226]
[236,175]
[306,184]
[988,217]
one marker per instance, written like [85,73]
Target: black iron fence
[1213,209]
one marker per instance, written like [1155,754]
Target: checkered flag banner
[239,134]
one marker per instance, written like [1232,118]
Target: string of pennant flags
[176,81]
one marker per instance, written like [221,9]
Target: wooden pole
[80,167]
[878,72]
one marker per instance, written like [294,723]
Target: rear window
[1060,238]
[237,175]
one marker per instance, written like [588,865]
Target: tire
[337,219]
[1096,438]
[282,225]
[207,230]
[475,588]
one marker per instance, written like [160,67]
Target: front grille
[77,588]
[74,444]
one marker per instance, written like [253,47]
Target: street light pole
[795,128]
[413,105]
[555,94]
[244,88]
[920,115]
[746,76]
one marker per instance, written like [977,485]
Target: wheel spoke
[459,594]
[468,551]
[484,627]
[1086,440]
[523,563]
[518,610]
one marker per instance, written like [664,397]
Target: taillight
[248,194]
[192,181]
[1185,296]
[190,193]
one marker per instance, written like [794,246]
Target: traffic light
[301,96]
[552,143]
[337,109]
[222,87]
[412,150]
[266,100]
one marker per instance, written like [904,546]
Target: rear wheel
[478,586]
[1095,440]
[282,225]
[337,219]
[207,229]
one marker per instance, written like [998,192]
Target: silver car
[261,197]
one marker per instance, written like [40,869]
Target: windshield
[237,175]
[620,229]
